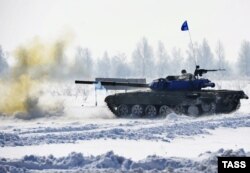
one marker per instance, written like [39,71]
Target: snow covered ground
[90,139]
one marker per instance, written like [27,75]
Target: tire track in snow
[162,130]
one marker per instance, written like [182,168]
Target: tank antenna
[185,27]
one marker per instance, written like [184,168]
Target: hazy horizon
[116,26]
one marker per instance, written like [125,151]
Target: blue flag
[184,26]
[99,86]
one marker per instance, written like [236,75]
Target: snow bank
[110,162]
[10,139]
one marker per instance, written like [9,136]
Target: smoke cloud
[36,63]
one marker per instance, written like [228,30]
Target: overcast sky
[117,25]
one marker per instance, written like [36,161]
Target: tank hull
[160,103]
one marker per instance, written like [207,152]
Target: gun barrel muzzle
[211,84]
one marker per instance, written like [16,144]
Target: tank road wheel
[136,111]
[122,110]
[179,109]
[208,108]
[151,111]
[205,107]
[164,110]
[193,110]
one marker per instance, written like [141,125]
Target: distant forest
[149,62]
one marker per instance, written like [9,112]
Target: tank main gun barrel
[85,82]
[110,83]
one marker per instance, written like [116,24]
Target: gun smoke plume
[35,64]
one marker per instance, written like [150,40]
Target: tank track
[160,104]
[189,110]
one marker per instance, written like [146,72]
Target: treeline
[149,62]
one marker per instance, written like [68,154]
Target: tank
[184,94]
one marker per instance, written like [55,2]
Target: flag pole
[192,47]
[185,27]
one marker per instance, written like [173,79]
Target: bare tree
[177,61]
[221,61]
[142,59]
[192,54]
[244,58]
[163,63]
[205,57]
[83,62]
[103,66]
[120,67]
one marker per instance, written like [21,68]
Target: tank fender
[193,95]
[207,99]
[244,96]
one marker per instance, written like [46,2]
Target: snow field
[88,138]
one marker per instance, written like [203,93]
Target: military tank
[183,94]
